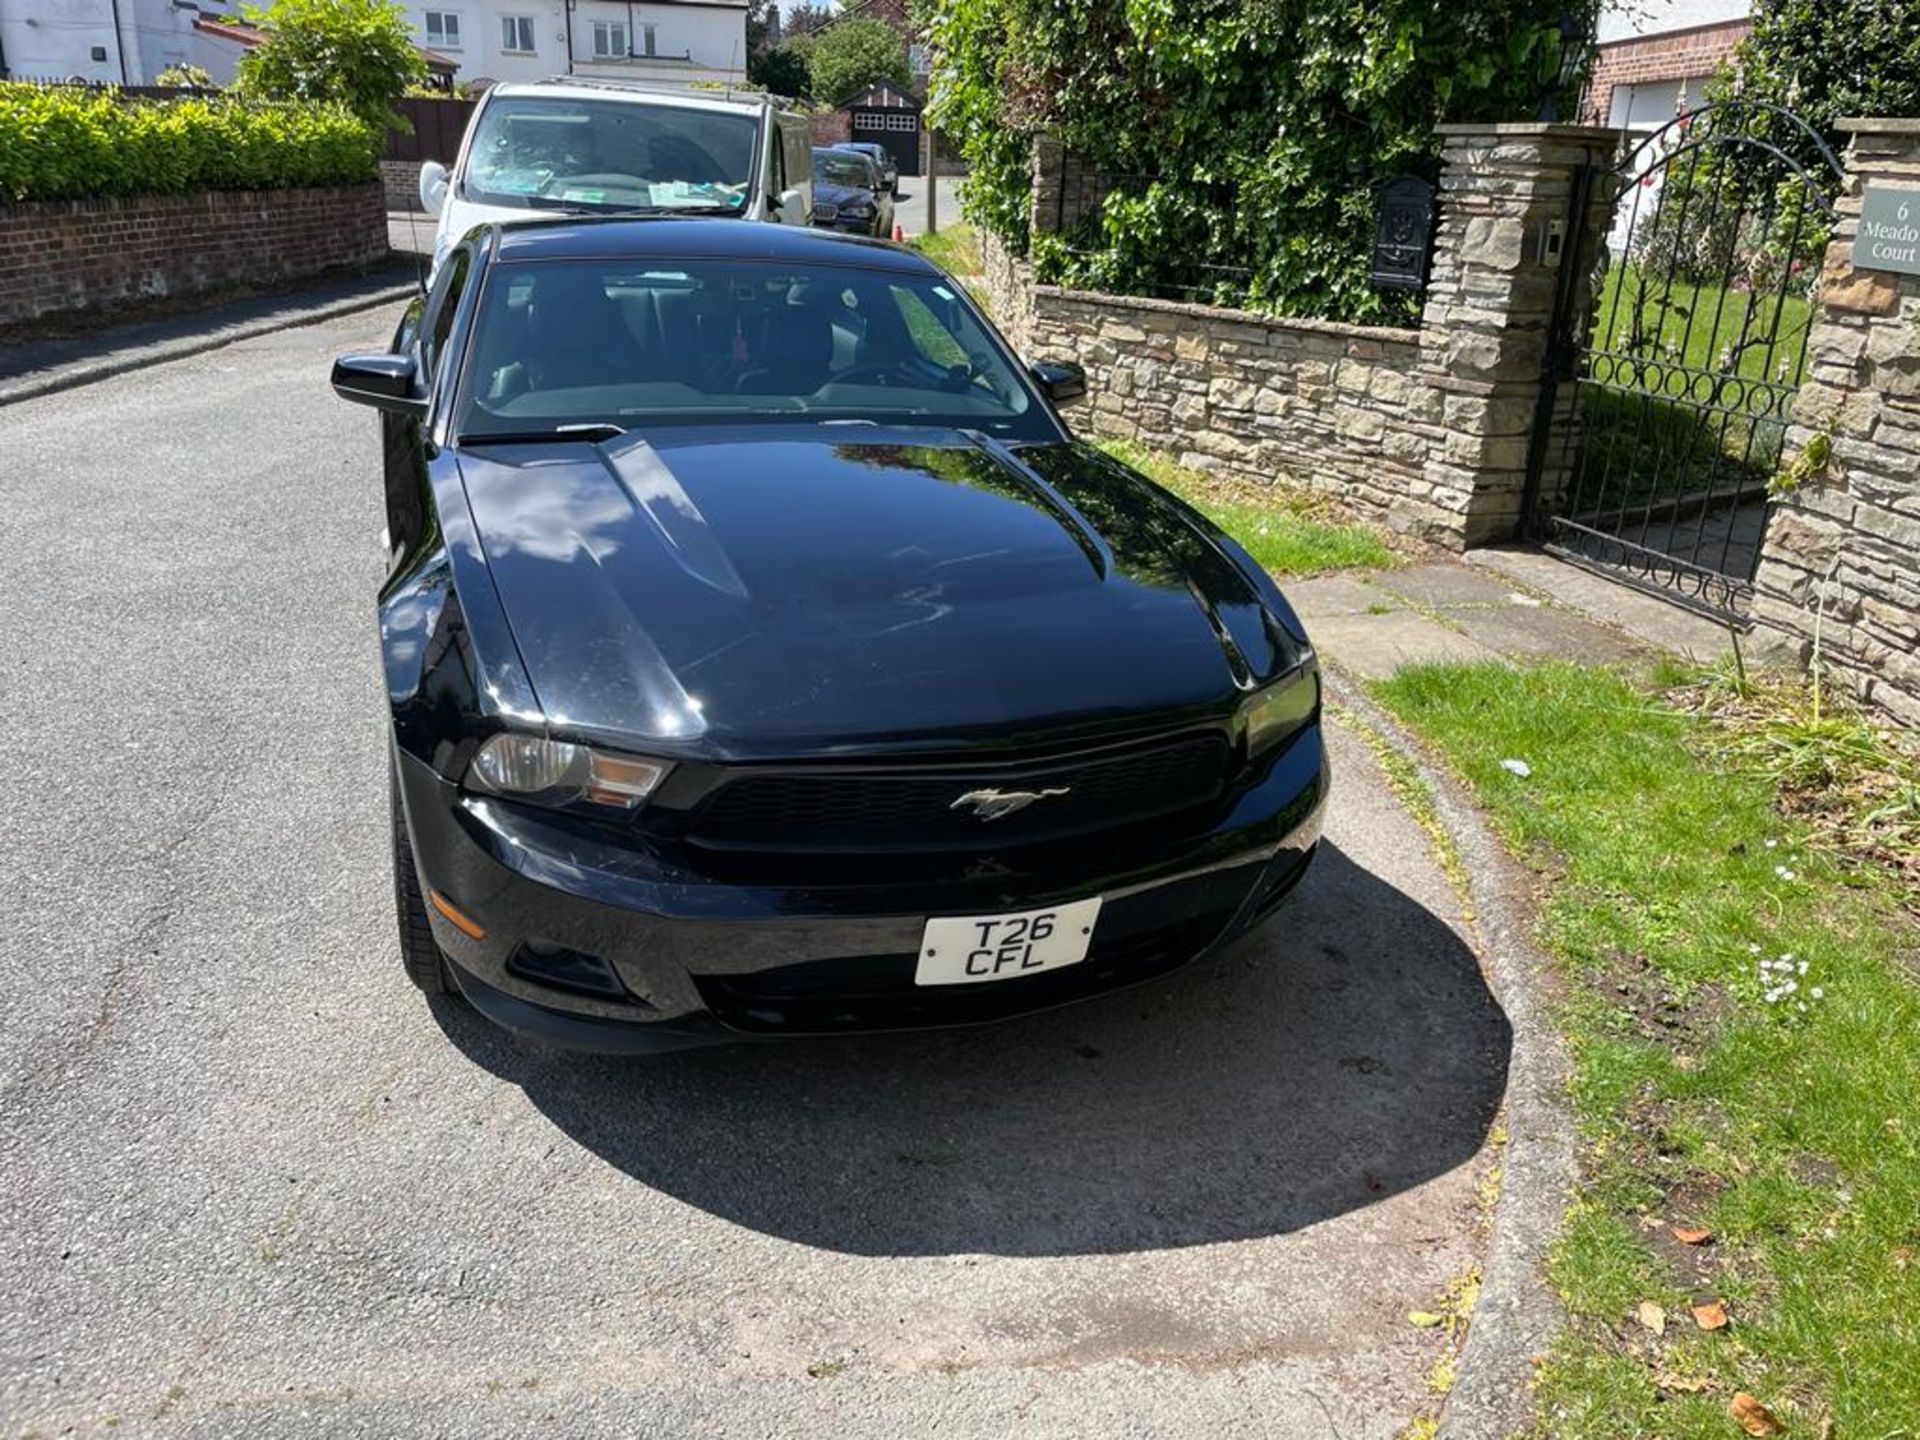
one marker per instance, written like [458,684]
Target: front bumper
[699,960]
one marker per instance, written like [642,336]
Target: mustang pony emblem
[995,804]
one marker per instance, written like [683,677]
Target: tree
[1245,140]
[781,70]
[1825,59]
[357,53]
[849,55]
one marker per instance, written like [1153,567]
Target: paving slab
[1545,632]
[1336,595]
[1374,646]
[1443,584]
[1644,617]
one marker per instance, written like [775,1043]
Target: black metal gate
[1663,418]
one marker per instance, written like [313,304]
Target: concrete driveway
[251,1183]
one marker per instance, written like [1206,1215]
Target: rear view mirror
[433,186]
[1061,381]
[382,381]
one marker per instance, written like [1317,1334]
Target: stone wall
[1427,429]
[1334,407]
[1846,541]
[60,255]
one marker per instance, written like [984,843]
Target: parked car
[579,145]
[848,195]
[882,158]
[764,655]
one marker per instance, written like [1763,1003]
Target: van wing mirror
[382,381]
[795,201]
[433,186]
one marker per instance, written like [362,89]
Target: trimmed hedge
[68,143]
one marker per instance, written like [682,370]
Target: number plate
[972,949]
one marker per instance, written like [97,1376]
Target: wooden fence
[437,128]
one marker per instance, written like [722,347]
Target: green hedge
[69,143]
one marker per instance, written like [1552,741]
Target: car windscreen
[846,169]
[583,343]
[551,153]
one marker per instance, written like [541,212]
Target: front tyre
[420,954]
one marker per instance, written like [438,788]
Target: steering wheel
[873,372]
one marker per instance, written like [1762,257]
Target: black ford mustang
[765,656]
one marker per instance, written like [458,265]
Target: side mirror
[1061,381]
[433,186]
[382,381]
[794,200]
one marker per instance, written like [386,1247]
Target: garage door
[898,130]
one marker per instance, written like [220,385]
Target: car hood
[828,192]
[771,591]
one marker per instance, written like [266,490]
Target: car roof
[577,87]
[664,237]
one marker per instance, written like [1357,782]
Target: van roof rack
[671,92]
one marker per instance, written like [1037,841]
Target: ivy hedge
[69,143]
[1244,134]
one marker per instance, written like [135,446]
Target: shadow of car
[1344,1055]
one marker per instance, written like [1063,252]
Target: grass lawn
[1702,326]
[1646,435]
[1288,531]
[953,248]
[1742,1004]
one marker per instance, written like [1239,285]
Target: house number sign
[1889,237]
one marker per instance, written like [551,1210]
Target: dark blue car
[765,656]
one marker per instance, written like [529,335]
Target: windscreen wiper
[591,432]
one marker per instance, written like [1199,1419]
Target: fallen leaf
[1426,1319]
[1653,1317]
[1517,767]
[1753,1417]
[1711,1316]
[1687,1384]
[1903,1256]
[1690,1234]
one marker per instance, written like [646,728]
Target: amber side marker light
[454,918]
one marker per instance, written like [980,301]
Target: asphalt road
[251,1183]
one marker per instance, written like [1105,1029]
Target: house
[130,42]
[1654,58]
[664,42]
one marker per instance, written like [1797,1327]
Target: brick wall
[75,254]
[1680,55]
[400,179]
[830,127]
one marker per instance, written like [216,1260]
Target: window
[609,40]
[443,30]
[919,59]
[536,151]
[697,341]
[441,307]
[516,34]
[645,37]
[903,121]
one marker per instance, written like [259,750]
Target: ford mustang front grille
[968,807]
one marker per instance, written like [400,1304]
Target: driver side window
[441,308]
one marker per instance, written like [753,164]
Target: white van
[584,146]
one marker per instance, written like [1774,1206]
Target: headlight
[1272,714]
[557,772]
[856,207]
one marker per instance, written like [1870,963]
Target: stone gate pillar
[1485,327]
[1845,534]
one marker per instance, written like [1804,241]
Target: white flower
[1771,844]
[1818,993]
[1784,873]
[1803,968]
[1754,948]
